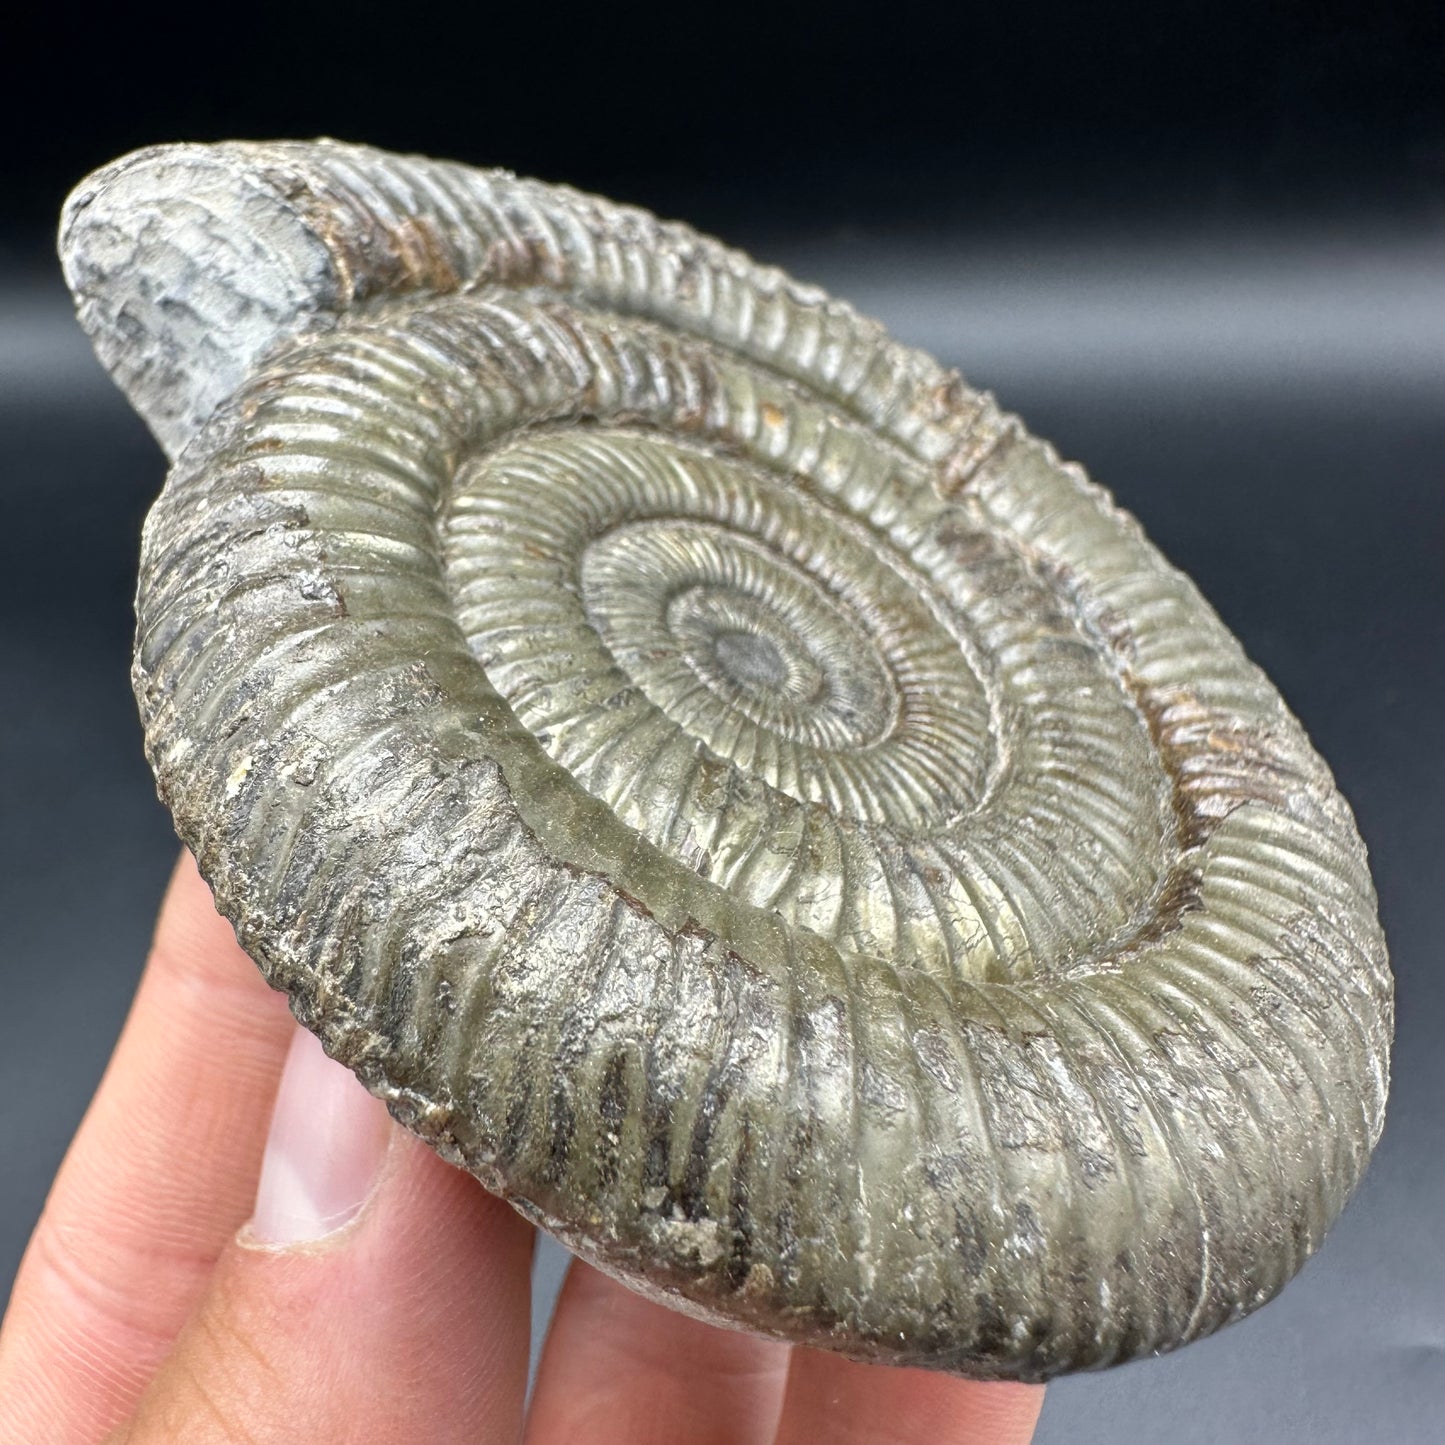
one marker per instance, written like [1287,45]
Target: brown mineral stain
[425,257]
[1216,764]
[979,446]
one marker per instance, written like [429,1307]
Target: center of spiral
[751,660]
[682,601]
[737,643]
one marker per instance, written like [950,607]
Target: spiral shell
[717,777]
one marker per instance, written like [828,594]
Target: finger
[378,1294]
[158,1178]
[833,1399]
[620,1370]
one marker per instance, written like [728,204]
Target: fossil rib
[717,777]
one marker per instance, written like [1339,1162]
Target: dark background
[1199,246]
[789,115]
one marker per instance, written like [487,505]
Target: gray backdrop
[1269,406]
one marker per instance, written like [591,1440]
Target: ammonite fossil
[720,779]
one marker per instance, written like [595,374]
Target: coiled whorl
[717,777]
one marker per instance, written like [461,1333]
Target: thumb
[377,1294]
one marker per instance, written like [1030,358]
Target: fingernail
[324,1152]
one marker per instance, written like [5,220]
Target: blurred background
[1201,247]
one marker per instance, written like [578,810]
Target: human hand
[376,1294]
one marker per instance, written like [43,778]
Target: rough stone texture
[720,779]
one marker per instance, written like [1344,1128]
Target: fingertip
[373,1282]
[324,1152]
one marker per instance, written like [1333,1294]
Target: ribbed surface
[734,790]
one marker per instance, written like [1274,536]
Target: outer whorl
[718,778]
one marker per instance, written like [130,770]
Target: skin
[145,1310]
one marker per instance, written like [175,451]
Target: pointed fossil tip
[187,263]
